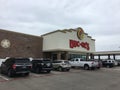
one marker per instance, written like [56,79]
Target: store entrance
[63,56]
[76,56]
[54,56]
[59,56]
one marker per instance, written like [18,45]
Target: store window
[76,56]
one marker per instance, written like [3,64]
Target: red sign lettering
[74,43]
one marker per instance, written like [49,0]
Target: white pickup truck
[86,64]
[3,60]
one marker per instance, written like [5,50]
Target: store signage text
[74,44]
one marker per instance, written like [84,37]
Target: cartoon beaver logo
[80,34]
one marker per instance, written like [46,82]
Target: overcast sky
[99,18]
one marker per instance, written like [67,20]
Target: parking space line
[4,78]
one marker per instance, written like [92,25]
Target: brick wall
[22,45]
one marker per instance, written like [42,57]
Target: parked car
[41,65]
[118,61]
[61,65]
[1,60]
[13,66]
[109,63]
[99,63]
[86,64]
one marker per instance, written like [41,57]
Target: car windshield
[57,61]
[47,61]
[22,61]
[66,62]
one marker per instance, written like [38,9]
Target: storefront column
[108,56]
[98,57]
[66,55]
[114,56]
[91,56]
[87,56]
[58,56]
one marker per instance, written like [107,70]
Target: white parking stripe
[4,78]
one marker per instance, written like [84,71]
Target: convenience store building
[59,44]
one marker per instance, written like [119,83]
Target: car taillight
[14,66]
[30,66]
[92,62]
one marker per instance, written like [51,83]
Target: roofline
[67,50]
[51,32]
[19,33]
[106,52]
[68,30]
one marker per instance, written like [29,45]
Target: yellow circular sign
[80,34]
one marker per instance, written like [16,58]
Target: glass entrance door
[54,56]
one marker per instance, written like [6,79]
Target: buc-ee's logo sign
[80,34]
[74,44]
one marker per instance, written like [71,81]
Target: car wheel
[68,70]
[98,67]
[72,66]
[48,71]
[10,73]
[37,70]
[1,71]
[27,74]
[60,69]
[92,68]
[86,67]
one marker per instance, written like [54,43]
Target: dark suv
[13,66]
[41,65]
[108,63]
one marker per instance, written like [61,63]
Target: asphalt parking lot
[76,79]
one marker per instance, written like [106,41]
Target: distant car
[41,65]
[61,65]
[118,61]
[99,63]
[108,63]
[13,66]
